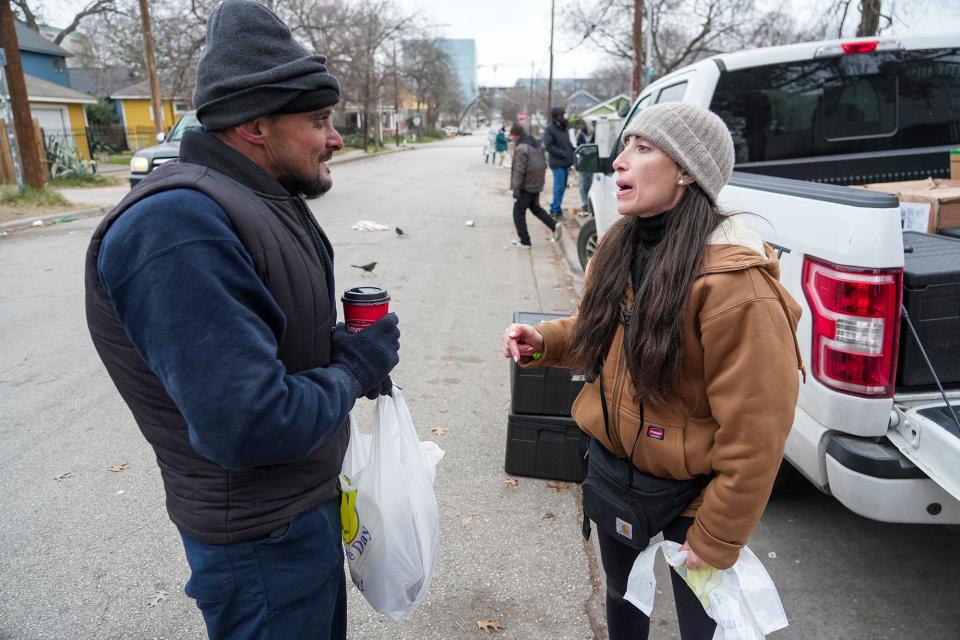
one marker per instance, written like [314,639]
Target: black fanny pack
[629,505]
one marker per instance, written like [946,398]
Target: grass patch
[88,180]
[116,159]
[10,196]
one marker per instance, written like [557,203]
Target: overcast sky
[512,34]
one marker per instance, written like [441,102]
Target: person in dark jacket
[526,182]
[556,141]
[584,136]
[210,300]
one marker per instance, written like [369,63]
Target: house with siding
[58,108]
[136,112]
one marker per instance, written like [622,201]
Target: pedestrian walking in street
[501,146]
[584,136]
[689,341]
[556,140]
[526,180]
[210,300]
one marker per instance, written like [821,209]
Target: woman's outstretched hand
[521,342]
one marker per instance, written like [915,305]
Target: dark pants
[530,201]
[289,584]
[625,621]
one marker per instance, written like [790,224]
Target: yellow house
[60,111]
[136,110]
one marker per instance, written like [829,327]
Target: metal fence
[95,140]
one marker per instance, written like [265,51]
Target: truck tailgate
[928,437]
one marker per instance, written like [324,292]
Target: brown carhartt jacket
[741,360]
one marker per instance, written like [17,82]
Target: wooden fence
[7,173]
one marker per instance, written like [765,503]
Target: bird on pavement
[367,268]
[400,233]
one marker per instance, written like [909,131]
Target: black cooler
[543,441]
[931,295]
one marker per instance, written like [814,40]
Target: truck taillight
[856,322]
[860,47]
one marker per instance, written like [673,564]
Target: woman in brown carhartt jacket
[712,344]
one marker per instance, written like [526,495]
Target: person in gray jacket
[526,181]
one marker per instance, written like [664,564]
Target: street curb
[369,156]
[568,249]
[28,223]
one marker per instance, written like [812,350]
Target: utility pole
[20,103]
[648,57]
[638,56]
[530,100]
[396,96]
[550,78]
[151,66]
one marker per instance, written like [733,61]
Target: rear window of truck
[846,104]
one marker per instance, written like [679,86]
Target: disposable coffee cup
[362,306]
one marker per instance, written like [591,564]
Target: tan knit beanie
[694,138]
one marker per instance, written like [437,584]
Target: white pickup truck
[871,426]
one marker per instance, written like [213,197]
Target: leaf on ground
[158,597]
[558,486]
[117,468]
[468,520]
[489,625]
[548,515]
[510,482]
[439,431]
[64,475]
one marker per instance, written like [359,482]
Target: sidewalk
[96,201]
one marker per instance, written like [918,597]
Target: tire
[587,242]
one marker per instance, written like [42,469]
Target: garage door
[55,123]
[53,120]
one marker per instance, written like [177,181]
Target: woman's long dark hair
[653,339]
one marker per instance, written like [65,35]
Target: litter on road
[368,225]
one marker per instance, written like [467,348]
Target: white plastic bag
[742,599]
[391,526]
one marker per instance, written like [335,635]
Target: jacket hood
[734,246]
[530,140]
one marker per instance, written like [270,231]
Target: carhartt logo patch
[655,432]
[625,529]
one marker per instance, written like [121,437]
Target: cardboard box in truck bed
[925,205]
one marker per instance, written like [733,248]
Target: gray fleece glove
[369,356]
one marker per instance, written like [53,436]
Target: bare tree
[683,31]
[429,74]
[32,16]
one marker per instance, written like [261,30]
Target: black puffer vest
[295,261]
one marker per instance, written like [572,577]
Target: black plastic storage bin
[544,447]
[544,391]
[931,295]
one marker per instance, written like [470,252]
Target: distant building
[58,108]
[580,101]
[463,55]
[561,86]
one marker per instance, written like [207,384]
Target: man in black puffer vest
[210,299]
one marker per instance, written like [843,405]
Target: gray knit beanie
[694,138]
[251,66]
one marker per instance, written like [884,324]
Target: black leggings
[625,621]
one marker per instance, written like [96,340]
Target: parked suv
[146,160]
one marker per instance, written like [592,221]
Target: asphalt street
[88,552]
